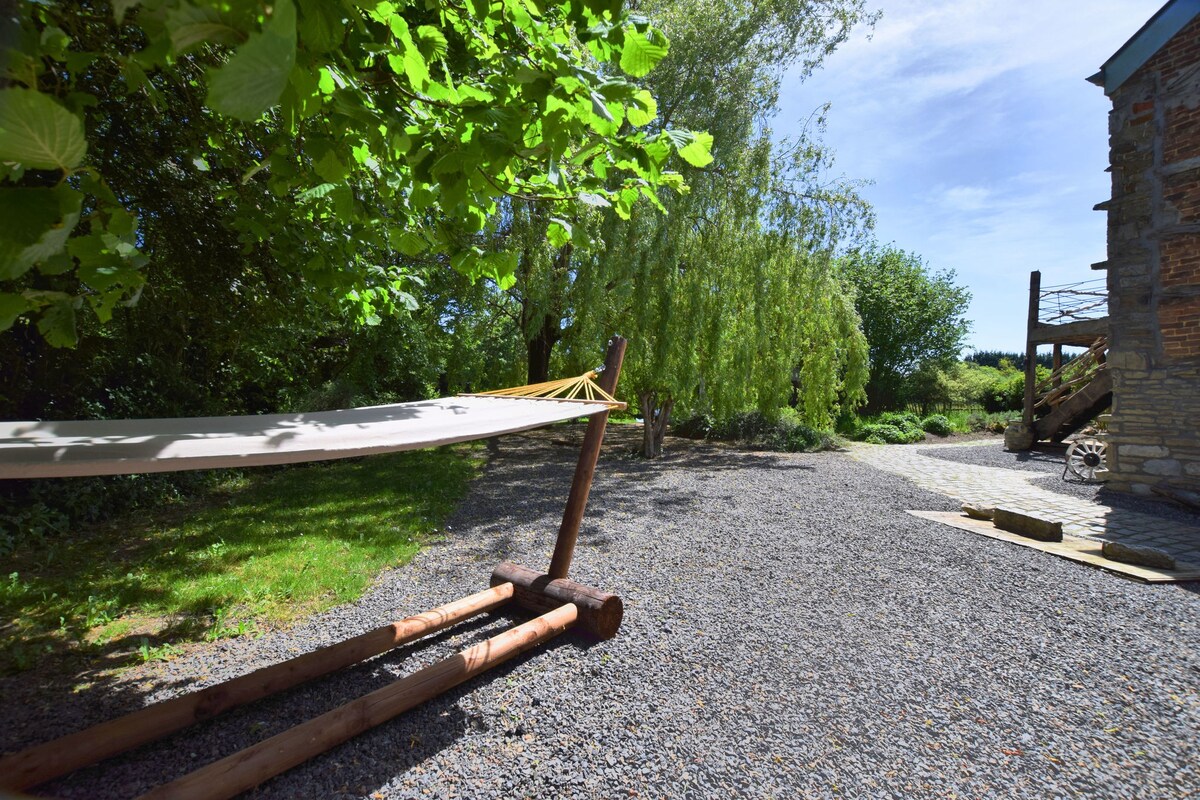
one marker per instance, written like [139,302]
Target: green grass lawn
[259,551]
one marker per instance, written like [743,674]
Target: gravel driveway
[789,632]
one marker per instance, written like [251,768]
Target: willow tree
[722,72]
[732,292]
[725,296]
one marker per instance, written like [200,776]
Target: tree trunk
[655,418]
[540,342]
[539,349]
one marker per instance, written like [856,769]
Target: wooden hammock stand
[560,602]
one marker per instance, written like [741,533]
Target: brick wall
[1154,271]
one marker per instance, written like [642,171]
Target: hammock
[109,447]
[117,447]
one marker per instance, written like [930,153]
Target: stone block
[1162,466]
[1027,525]
[1143,450]
[978,511]
[1127,360]
[1142,556]
[1018,436]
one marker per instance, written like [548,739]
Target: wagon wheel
[1085,460]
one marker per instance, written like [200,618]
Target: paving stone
[1018,490]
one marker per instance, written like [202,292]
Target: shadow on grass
[279,546]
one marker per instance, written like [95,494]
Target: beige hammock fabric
[118,447]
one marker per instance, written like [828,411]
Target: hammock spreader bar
[63,450]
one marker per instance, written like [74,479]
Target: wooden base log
[600,613]
[252,766]
[58,757]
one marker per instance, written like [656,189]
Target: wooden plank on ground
[1074,548]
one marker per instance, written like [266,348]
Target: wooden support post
[68,753]
[252,766]
[600,613]
[568,532]
[1035,291]
[1056,365]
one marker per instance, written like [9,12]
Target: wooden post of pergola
[1035,291]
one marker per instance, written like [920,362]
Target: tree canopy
[332,142]
[730,290]
[430,197]
[912,318]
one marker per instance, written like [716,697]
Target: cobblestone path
[1017,489]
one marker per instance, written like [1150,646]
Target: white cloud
[966,198]
[986,145]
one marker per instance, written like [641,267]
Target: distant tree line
[993,358]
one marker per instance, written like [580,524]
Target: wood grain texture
[600,613]
[39,764]
[246,769]
[585,468]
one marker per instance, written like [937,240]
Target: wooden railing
[1073,375]
[1072,302]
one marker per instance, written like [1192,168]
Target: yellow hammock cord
[572,390]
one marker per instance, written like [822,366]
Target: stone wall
[1154,271]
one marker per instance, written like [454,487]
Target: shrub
[784,433]
[993,423]
[697,426]
[877,433]
[893,427]
[938,425]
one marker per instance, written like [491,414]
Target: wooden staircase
[1073,395]
[1080,389]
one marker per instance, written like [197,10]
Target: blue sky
[986,145]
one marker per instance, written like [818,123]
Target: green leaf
[432,41]
[644,109]
[257,73]
[316,192]
[121,8]
[330,167]
[411,243]
[191,25]
[409,61]
[500,267]
[35,131]
[642,52]
[34,225]
[57,324]
[559,232]
[320,28]
[11,307]
[326,83]
[698,152]
[24,215]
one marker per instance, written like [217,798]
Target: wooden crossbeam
[250,767]
[600,613]
[39,764]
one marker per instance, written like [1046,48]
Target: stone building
[1154,255]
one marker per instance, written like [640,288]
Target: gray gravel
[1048,459]
[789,632]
